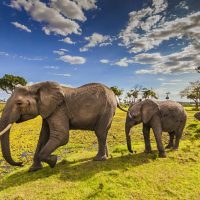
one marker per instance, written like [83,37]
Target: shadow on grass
[79,170]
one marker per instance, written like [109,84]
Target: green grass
[122,176]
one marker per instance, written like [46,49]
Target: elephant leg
[146,134]
[102,147]
[101,132]
[171,140]
[44,137]
[56,140]
[177,139]
[59,135]
[158,136]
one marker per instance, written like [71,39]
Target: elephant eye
[19,103]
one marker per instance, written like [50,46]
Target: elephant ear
[49,96]
[149,108]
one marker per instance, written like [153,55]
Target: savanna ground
[122,176]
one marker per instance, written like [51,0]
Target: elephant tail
[118,105]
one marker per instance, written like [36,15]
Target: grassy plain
[122,176]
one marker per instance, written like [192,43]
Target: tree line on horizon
[9,82]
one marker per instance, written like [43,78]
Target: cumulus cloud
[184,61]
[21,26]
[73,59]
[104,61]
[69,9]
[58,16]
[124,62]
[156,28]
[86,4]
[67,40]
[94,40]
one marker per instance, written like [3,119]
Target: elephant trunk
[5,147]
[128,138]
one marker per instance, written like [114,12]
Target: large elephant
[197,115]
[167,116]
[89,107]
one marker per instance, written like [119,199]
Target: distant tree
[149,93]
[9,82]
[118,92]
[135,92]
[128,95]
[192,92]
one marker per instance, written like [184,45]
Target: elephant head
[26,103]
[138,112]
[197,115]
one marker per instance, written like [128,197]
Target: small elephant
[167,116]
[197,115]
[89,107]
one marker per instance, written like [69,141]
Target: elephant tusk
[6,129]
[129,114]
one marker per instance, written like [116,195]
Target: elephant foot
[162,155]
[35,167]
[51,160]
[99,158]
[147,151]
[169,146]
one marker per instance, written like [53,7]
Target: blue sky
[152,43]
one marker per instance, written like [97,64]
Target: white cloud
[54,21]
[104,61]
[64,50]
[61,53]
[69,9]
[186,26]
[159,6]
[184,61]
[66,75]
[51,67]
[73,59]
[160,79]
[94,40]
[2,53]
[87,4]
[168,83]
[124,62]
[67,40]
[183,5]
[21,26]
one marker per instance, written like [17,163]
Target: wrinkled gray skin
[197,115]
[167,116]
[90,107]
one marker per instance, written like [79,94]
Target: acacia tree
[149,93]
[192,92]
[9,82]
[118,92]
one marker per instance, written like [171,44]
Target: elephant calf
[167,116]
